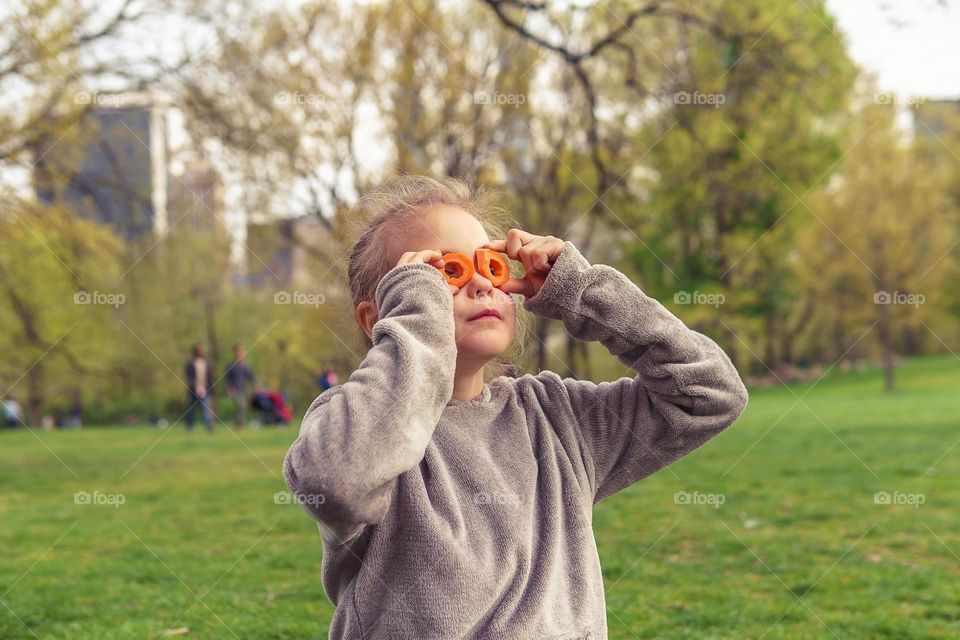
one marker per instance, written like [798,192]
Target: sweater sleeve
[358,437]
[685,390]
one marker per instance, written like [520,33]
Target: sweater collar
[482,398]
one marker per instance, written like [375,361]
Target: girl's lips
[488,314]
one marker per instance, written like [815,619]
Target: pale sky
[913,46]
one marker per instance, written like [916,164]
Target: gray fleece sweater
[444,518]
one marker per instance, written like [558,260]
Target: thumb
[517,285]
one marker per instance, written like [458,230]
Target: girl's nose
[479,284]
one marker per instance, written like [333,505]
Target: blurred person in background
[199,385]
[327,378]
[12,413]
[239,375]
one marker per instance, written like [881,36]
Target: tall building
[284,252]
[112,165]
[936,117]
[196,198]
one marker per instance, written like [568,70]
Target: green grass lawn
[781,537]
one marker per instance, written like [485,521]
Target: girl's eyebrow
[456,251]
[469,253]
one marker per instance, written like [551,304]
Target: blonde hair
[379,213]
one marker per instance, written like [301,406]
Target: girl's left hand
[537,253]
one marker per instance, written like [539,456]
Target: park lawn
[780,537]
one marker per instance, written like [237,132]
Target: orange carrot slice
[493,266]
[457,269]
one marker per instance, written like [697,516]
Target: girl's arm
[686,389]
[358,437]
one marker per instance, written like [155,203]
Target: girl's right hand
[427,256]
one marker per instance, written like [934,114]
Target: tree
[753,124]
[882,226]
[48,64]
[59,306]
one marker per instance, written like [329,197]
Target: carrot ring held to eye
[493,266]
[457,269]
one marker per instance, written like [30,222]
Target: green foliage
[52,267]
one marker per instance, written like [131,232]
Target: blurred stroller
[272,408]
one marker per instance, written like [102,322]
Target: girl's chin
[482,346]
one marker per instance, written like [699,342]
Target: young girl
[454,507]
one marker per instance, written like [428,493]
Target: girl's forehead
[446,228]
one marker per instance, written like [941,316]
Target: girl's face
[450,229]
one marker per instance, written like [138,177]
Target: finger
[528,254]
[536,254]
[523,255]
[516,238]
[427,255]
[502,244]
[552,248]
[517,285]
[525,236]
[541,260]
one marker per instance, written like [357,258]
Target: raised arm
[358,437]
[685,392]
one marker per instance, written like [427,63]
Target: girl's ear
[367,317]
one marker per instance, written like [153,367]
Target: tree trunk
[35,395]
[886,344]
[769,343]
[540,329]
[583,348]
[571,363]
[731,350]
